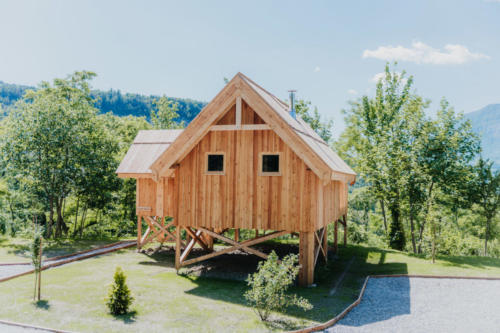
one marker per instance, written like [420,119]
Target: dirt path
[10,271]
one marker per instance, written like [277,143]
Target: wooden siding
[241,198]
[146,197]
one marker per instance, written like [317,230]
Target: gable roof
[296,133]
[315,142]
[148,145]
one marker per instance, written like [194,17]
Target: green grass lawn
[74,294]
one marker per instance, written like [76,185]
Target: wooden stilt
[177,247]
[139,232]
[306,258]
[256,232]
[237,235]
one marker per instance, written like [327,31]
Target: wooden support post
[139,232]
[256,233]
[325,243]
[335,237]
[177,247]
[237,235]
[345,230]
[306,258]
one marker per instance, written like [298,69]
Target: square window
[215,163]
[270,163]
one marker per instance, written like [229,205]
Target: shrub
[119,297]
[270,283]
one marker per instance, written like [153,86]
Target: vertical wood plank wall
[241,198]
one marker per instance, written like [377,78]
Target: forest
[422,185]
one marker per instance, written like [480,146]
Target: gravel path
[17,329]
[402,304]
[10,270]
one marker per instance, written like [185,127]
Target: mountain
[486,123]
[121,104]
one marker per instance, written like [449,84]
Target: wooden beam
[237,234]
[247,127]
[306,258]
[139,232]
[244,246]
[196,237]
[190,246]
[238,112]
[177,247]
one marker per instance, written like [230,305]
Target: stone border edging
[336,319]
[11,323]
[132,243]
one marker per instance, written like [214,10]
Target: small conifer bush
[119,297]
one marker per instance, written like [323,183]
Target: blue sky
[328,50]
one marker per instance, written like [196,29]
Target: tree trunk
[76,215]
[412,228]
[51,217]
[382,207]
[486,236]
[421,231]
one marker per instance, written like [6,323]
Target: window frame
[261,161]
[223,172]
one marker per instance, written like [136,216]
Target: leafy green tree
[485,192]
[375,140]
[36,259]
[269,284]
[119,297]
[53,140]
[313,118]
[164,113]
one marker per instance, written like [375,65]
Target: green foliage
[313,118]
[485,192]
[270,283]
[54,145]
[119,297]
[164,113]
[35,248]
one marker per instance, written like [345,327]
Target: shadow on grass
[282,324]
[128,318]
[325,306]
[42,304]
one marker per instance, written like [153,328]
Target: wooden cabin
[245,162]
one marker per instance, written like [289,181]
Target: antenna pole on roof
[292,103]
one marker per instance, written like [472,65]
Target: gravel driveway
[402,304]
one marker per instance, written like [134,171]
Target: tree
[485,192]
[36,259]
[313,118]
[269,284]
[375,139]
[164,113]
[119,297]
[53,140]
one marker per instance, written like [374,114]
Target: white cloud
[379,76]
[352,92]
[421,53]
[317,69]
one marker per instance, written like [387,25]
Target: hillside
[112,101]
[486,123]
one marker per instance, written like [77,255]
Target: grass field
[74,294]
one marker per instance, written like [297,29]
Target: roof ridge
[264,90]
